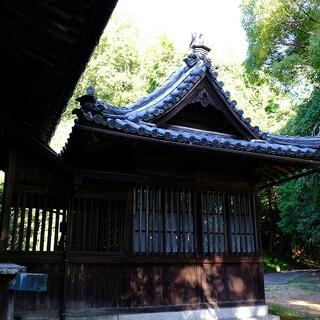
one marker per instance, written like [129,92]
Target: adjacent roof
[45,46]
[142,117]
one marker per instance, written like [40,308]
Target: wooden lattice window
[37,223]
[241,223]
[228,223]
[163,220]
[97,225]
[214,222]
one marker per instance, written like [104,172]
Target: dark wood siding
[103,285]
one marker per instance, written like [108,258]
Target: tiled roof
[137,118]
[190,136]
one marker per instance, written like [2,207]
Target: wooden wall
[111,281]
[101,285]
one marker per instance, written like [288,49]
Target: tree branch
[306,13]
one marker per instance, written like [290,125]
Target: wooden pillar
[7,198]
[257,223]
[198,216]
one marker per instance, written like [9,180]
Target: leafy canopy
[284,46]
[284,40]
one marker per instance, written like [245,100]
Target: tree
[284,46]
[284,40]
[121,70]
[267,109]
[160,59]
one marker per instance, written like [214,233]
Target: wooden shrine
[151,208]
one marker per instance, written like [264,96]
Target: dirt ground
[299,290]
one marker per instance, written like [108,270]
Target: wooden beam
[106,132]
[7,198]
[26,141]
[294,176]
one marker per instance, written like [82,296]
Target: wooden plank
[57,223]
[178,222]
[227,229]
[21,223]
[251,226]
[134,213]
[70,222]
[84,226]
[208,222]
[64,231]
[212,202]
[147,220]
[101,204]
[165,213]
[256,225]
[78,224]
[245,215]
[29,222]
[198,220]
[171,217]
[140,218]
[153,220]
[235,233]
[43,223]
[108,225]
[183,213]
[15,222]
[219,222]
[91,225]
[160,230]
[36,223]
[50,225]
[240,199]
[191,237]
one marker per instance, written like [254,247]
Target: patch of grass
[287,313]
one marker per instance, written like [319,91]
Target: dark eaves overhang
[193,139]
[45,46]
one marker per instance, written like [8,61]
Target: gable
[195,116]
[205,109]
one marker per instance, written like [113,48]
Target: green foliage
[159,60]
[299,203]
[273,264]
[276,262]
[266,108]
[284,46]
[283,38]
[307,116]
[122,69]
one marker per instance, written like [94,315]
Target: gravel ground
[297,289]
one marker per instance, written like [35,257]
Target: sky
[218,20]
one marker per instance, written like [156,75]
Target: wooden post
[257,224]
[198,215]
[7,199]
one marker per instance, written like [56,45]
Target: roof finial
[197,44]
[199,50]
[90,90]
